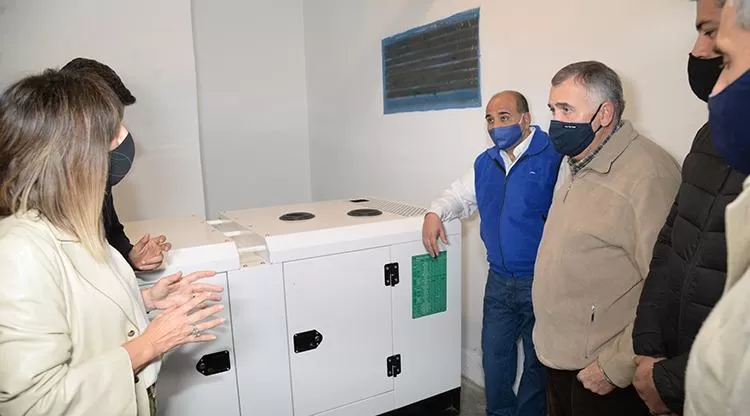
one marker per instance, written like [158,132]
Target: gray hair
[743,11]
[601,83]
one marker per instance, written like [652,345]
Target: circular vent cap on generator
[297,216]
[365,212]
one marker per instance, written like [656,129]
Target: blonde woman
[74,335]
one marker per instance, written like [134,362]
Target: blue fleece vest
[514,207]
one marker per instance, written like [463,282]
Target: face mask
[507,136]
[703,74]
[729,118]
[120,160]
[571,139]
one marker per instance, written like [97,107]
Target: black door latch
[306,341]
[215,363]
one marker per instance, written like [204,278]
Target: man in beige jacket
[612,200]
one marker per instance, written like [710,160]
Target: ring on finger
[195,332]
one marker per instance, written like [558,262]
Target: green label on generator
[429,285]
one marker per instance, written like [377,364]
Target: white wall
[287,96]
[254,147]
[253,108]
[357,150]
[149,44]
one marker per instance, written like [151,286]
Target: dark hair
[601,83]
[522,104]
[86,66]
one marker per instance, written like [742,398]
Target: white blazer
[63,320]
[718,371]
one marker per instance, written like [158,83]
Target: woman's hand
[174,327]
[175,290]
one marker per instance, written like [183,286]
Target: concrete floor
[472,399]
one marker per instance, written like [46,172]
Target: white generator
[334,308]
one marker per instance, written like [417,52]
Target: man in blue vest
[511,185]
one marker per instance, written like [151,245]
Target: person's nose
[704,47]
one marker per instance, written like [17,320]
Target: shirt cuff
[437,210]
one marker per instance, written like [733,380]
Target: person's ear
[607,114]
[122,133]
[526,120]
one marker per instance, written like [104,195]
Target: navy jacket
[514,207]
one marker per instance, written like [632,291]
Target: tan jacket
[718,372]
[63,320]
[595,254]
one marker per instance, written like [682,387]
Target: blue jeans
[508,316]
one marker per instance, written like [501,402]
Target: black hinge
[391,274]
[394,365]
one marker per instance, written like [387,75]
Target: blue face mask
[571,139]
[506,136]
[729,117]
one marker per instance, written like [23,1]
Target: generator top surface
[315,216]
[196,245]
[181,232]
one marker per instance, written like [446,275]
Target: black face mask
[571,139]
[703,74]
[120,160]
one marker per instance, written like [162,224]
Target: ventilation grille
[398,208]
[433,67]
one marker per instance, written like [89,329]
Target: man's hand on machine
[148,253]
[176,290]
[432,229]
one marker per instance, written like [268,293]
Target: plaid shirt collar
[577,165]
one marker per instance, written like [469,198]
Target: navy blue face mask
[571,139]
[506,136]
[120,160]
[729,117]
